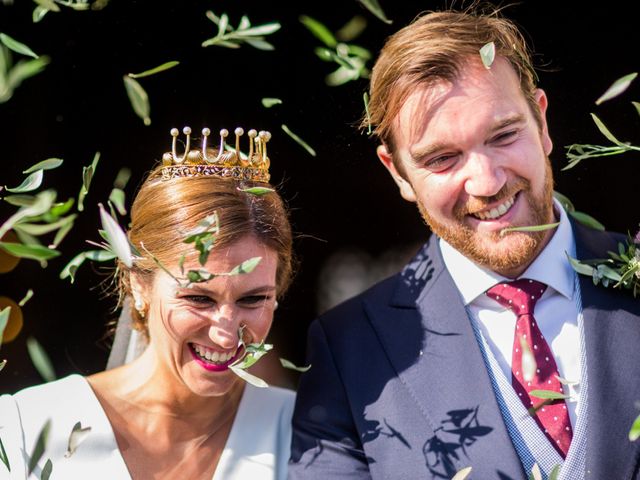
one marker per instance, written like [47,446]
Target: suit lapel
[448,379]
[612,342]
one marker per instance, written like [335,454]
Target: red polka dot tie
[520,296]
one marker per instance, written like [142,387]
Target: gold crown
[220,162]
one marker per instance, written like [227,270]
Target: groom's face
[473,157]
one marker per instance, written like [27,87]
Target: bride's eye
[198,299]
[254,300]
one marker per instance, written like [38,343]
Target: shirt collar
[550,266]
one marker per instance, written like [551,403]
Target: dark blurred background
[352,226]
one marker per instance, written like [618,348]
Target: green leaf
[634,433]
[259,44]
[374,7]
[20,200]
[247,377]
[270,102]
[34,252]
[564,201]
[564,381]
[42,204]
[46,470]
[554,473]
[488,54]
[39,447]
[122,178]
[528,361]
[301,142]
[48,4]
[637,105]
[117,198]
[138,98]
[153,71]
[87,176]
[38,13]
[77,436]
[48,164]
[32,182]
[2,364]
[462,474]
[618,87]
[580,267]
[71,268]
[61,208]
[40,360]
[3,453]
[26,298]
[257,190]
[548,395]
[64,230]
[41,229]
[291,366]
[531,228]
[265,29]
[253,353]
[16,46]
[319,30]
[117,239]
[536,474]
[352,29]
[4,319]
[245,267]
[25,69]
[604,130]
[587,220]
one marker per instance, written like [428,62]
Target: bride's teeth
[215,357]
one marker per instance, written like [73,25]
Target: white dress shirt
[556,311]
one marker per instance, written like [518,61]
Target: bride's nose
[224,327]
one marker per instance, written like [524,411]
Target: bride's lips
[211,365]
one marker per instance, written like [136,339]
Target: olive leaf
[352,29]
[116,197]
[548,395]
[33,252]
[46,470]
[634,433]
[40,360]
[40,446]
[41,204]
[268,102]
[87,176]
[462,474]
[3,454]
[618,87]
[229,37]
[138,98]
[536,474]
[29,184]
[122,178]
[48,164]
[153,71]
[3,362]
[319,30]
[77,436]
[26,298]
[291,366]
[299,140]
[528,361]
[374,7]
[245,267]
[529,228]
[555,472]
[249,378]
[488,54]
[204,236]
[16,46]
[257,190]
[4,319]
[71,268]
[564,381]
[116,238]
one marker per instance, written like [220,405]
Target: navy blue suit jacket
[398,387]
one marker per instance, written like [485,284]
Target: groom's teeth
[497,211]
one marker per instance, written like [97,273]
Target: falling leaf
[87,176]
[580,267]
[536,474]
[245,267]
[548,395]
[41,204]
[528,361]
[32,182]
[46,470]
[153,71]
[604,130]
[40,360]
[257,190]
[16,46]
[33,252]
[26,298]
[117,239]
[319,30]
[352,29]
[291,366]
[96,255]
[77,436]
[48,4]
[38,13]
[247,377]
[2,363]
[122,178]
[304,144]
[40,447]
[564,381]
[270,102]
[587,220]
[117,198]
[488,54]
[531,228]
[374,7]
[634,433]
[138,98]
[4,319]
[462,474]
[555,472]
[618,87]
[3,453]
[48,164]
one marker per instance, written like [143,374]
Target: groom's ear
[406,190]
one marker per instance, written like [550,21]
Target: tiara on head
[219,162]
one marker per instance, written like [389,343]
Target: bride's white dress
[257,447]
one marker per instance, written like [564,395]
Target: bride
[178,410]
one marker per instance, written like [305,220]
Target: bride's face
[194,330]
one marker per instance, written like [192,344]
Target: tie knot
[519,295]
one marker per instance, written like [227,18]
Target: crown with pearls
[219,162]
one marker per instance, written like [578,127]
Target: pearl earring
[275,305]
[139,306]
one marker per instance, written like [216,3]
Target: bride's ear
[139,293]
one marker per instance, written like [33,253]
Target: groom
[449,364]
